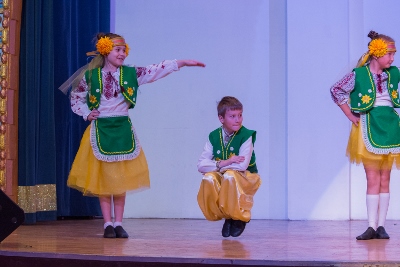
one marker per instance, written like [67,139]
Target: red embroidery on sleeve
[81,86]
[140,71]
[340,90]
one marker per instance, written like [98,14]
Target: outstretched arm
[154,72]
[190,63]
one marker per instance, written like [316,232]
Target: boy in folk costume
[372,91]
[110,160]
[229,169]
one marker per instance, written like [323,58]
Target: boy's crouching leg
[208,196]
[236,198]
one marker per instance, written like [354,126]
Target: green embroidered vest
[127,81]
[363,96]
[222,152]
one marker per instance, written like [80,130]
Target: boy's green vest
[127,80]
[221,152]
[362,98]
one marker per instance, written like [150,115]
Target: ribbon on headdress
[363,59]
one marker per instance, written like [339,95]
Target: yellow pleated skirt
[99,178]
[229,195]
[358,153]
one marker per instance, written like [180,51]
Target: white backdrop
[174,116]
[279,57]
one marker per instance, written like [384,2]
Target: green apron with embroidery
[112,133]
[382,127]
[114,137]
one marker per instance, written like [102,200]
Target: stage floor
[179,242]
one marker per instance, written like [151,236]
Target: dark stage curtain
[55,36]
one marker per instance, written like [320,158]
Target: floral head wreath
[105,45]
[378,48]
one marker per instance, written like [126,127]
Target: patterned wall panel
[10,17]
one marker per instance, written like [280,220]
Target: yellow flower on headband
[127,49]
[104,45]
[377,47]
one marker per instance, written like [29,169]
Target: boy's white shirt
[206,163]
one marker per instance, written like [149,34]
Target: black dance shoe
[381,233]
[226,228]
[367,235]
[237,227]
[109,232]
[120,232]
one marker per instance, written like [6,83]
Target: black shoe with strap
[380,233]
[367,235]
[109,232]
[226,228]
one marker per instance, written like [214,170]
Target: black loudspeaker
[11,216]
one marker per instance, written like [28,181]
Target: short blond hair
[228,103]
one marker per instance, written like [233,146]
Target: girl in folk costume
[372,91]
[110,160]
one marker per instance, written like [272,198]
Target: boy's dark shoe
[109,232]
[237,227]
[226,228]
[120,232]
[367,235]
[381,233]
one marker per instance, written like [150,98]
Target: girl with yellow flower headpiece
[368,96]
[110,160]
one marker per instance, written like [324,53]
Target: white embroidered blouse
[117,105]
[340,91]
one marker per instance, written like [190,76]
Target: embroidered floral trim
[225,148]
[377,47]
[92,99]
[130,91]
[112,158]
[341,89]
[394,94]
[140,71]
[367,142]
[365,99]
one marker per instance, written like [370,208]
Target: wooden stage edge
[190,242]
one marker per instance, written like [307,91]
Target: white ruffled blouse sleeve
[340,91]
[154,72]
[78,99]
